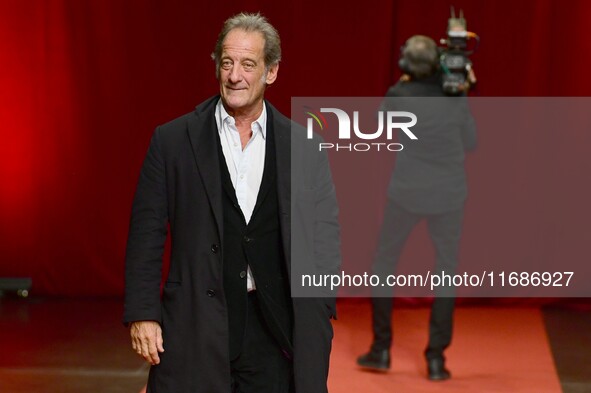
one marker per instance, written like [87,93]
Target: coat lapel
[202,135]
[282,133]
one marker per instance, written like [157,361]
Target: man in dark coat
[428,183]
[221,180]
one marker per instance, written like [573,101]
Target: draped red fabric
[84,83]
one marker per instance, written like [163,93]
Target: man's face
[242,70]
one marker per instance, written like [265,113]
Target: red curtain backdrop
[83,83]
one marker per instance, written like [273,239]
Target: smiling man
[220,179]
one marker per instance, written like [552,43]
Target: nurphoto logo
[388,121]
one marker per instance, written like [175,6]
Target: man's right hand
[146,340]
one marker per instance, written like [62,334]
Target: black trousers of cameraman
[444,230]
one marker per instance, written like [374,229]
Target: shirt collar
[221,116]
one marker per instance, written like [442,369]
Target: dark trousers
[261,367]
[444,230]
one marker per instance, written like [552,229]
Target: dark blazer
[180,188]
[429,175]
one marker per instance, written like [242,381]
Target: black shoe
[378,361]
[436,370]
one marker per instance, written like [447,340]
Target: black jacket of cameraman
[429,176]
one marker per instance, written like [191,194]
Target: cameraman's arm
[468,126]
[469,139]
[469,130]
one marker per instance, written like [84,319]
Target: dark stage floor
[79,346]
[66,346]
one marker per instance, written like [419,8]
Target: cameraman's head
[420,57]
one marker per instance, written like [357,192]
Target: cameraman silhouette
[428,183]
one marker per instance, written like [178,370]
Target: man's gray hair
[421,55]
[250,23]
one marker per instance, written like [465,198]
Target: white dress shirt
[245,166]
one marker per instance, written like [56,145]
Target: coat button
[242,274]
[215,248]
[247,239]
[210,293]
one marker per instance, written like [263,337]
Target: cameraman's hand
[471,76]
[470,81]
